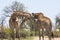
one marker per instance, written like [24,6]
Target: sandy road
[37,38]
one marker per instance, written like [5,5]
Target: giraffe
[43,22]
[13,22]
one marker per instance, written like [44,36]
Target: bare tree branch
[16,6]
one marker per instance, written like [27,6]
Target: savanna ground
[36,38]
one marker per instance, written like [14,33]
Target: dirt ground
[37,38]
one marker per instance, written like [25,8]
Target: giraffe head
[36,15]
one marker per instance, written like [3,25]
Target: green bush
[56,34]
[24,33]
[8,31]
[32,33]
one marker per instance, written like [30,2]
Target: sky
[50,8]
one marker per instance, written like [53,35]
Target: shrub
[56,33]
[24,33]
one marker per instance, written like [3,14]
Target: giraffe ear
[32,13]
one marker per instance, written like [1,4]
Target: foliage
[56,34]
[8,31]
[57,22]
[32,33]
[31,23]
[25,32]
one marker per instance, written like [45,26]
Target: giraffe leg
[39,35]
[13,36]
[43,34]
[18,32]
[49,35]
[48,30]
[12,33]
[18,35]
